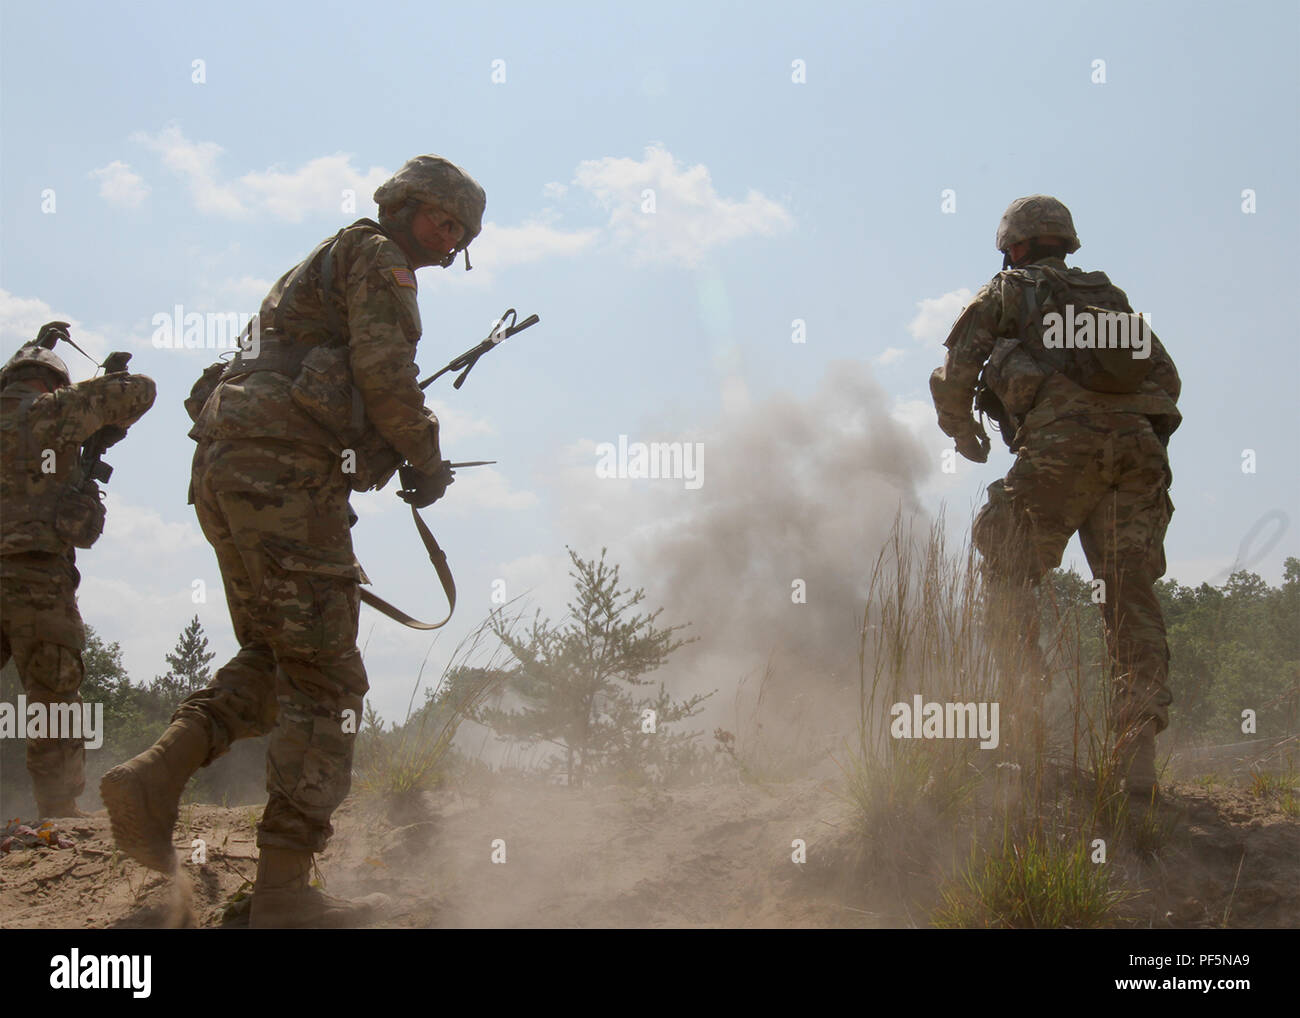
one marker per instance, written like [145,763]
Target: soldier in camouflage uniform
[322,400]
[1090,432]
[48,508]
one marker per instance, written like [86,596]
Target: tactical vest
[1019,365]
[318,363]
[48,502]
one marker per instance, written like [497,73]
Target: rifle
[464,364]
[988,404]
[93,467]
[470,357]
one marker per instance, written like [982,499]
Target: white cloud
[246,289]
[479,488]
[196,162]
[316,186]
[889,356]
[936,316]
[142,535]
[21,319]
[119,185]
[501,246]
[452,421]
[689,216]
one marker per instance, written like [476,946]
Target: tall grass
[398,766]
[935,625]
[1031,882]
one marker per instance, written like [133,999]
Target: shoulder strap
[301,273]
[1052,360]
[334,325]
[333,322]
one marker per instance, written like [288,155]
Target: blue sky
[775,200]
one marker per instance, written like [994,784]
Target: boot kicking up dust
[271,477]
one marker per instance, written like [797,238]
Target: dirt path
[712,855]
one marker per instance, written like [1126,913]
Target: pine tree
[188,668]
[580,682]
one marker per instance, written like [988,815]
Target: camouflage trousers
[279,526]
[41,628]
[1107,477]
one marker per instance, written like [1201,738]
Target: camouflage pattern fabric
[1089,462]
[374,294]
[41,628]
[1000,310]
[1105,476]
[40,625]
[278,520]
[39,428]
[269,487]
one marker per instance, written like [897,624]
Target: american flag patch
[403,277]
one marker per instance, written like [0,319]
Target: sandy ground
[716,855]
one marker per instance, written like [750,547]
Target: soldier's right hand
[974,445]
[420,489]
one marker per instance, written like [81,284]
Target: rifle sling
[439,559]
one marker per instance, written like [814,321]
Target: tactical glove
[51,333]
[420,489]
[107,436]
[974,444]
[116,362]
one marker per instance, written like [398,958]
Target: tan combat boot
[55,808]
[1137,760]
[283,899]
[143,795]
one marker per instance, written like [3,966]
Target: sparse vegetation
[581,686]
[1279,789]
[400,765]
[1031,882]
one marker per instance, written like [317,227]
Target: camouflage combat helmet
[31,355]
[1039,215]
[434,179]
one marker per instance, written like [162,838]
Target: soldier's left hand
[116,362]
[109,435]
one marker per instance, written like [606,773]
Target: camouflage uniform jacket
[44,431]
[1000,310]
[373,291]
